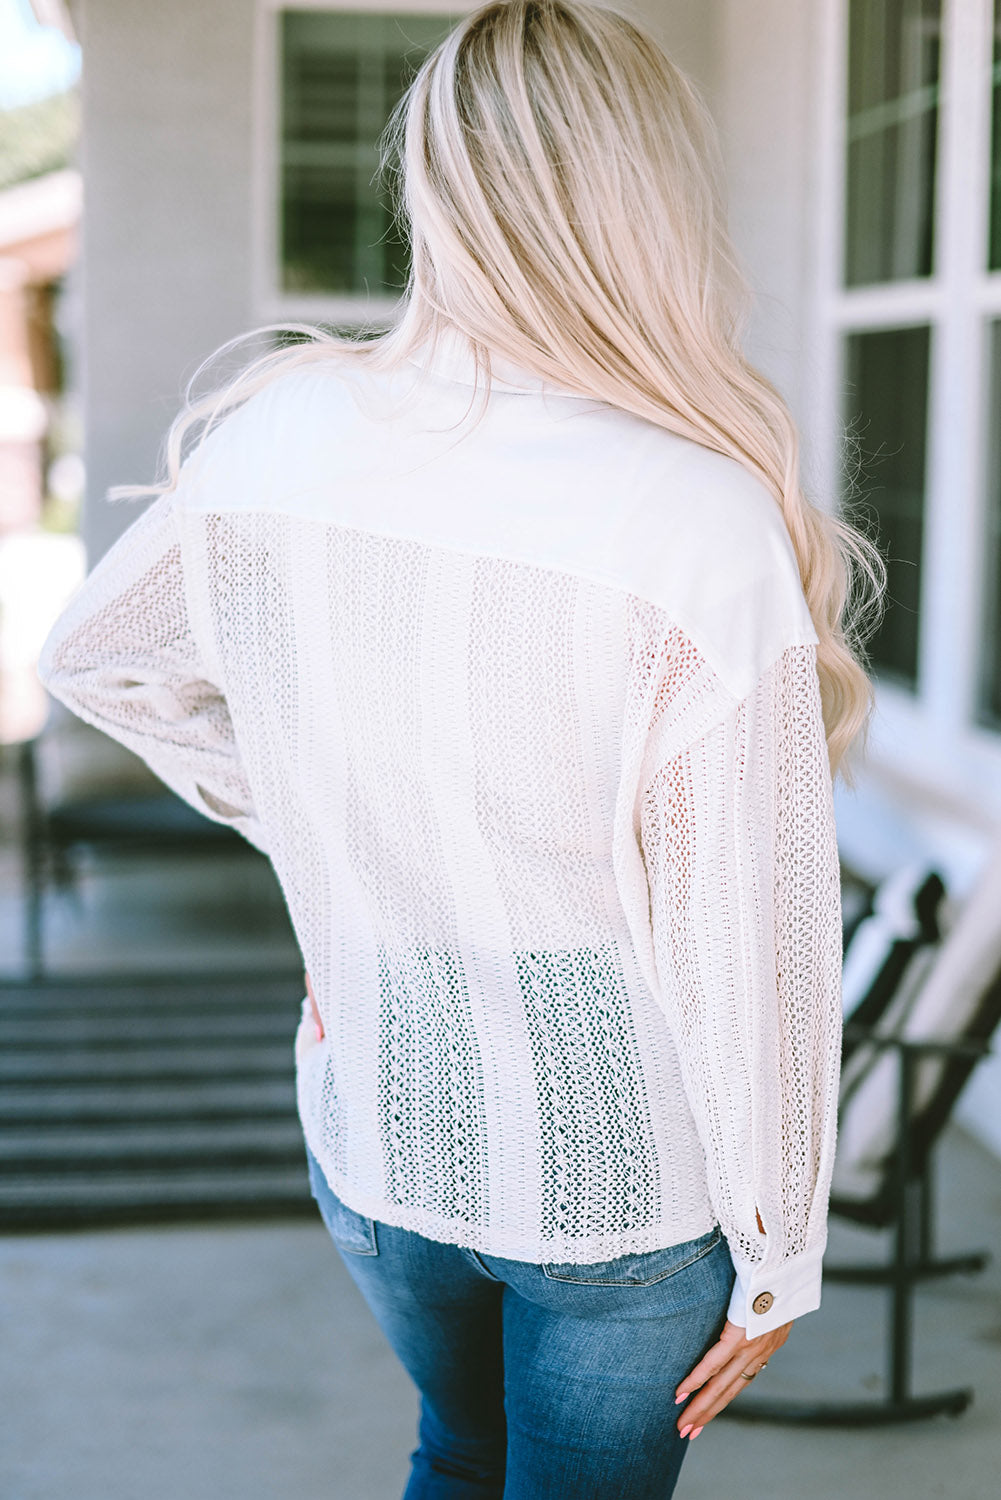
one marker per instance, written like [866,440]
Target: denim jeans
[537,1382]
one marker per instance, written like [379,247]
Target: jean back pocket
[642,1269]
[348,1229]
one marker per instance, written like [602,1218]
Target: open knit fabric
[527,719]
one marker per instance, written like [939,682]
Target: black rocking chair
[932,1049]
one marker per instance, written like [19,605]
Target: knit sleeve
[123,656]
[738,840]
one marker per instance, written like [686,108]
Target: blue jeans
[537,1382]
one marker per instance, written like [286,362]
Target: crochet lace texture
[558,847]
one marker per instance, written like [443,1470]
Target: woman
[511,638]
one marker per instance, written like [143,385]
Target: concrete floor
[239,1362]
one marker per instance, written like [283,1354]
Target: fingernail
[683,1397]
[686,1430]
[695,1434]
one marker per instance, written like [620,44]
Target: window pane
[341,75]
[995,244]
[989,706]
[886,404]
[893,85]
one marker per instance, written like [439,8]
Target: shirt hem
[583,1250]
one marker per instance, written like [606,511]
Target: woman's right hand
[316,1010]
[721,1374]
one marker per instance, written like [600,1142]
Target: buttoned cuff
[765,1297]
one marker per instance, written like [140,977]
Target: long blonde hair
[561,185]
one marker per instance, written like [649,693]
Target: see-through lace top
[525,713]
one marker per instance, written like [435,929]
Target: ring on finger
[745,1376]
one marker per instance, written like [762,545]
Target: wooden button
[762,1302]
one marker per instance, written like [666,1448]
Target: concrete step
[130,1029]
[95,1102]
[159,994]
[65,1148]
[72,1201]
[131,1099]
[145,1063]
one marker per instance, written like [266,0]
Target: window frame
[928,740]
[271,302]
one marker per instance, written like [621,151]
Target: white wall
[688,34]
[764,96]
[166,156]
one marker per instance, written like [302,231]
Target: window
[989,704]
[989,684]
[887,380]
[910,313]
[892,138]
[994,259]
[891,153]
[339,75]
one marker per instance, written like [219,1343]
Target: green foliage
[39,137]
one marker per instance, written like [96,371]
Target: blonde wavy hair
[560,182]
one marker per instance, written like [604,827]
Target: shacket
[521,702]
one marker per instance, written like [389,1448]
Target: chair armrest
[929,1046]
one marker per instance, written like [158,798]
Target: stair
[138,1099]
